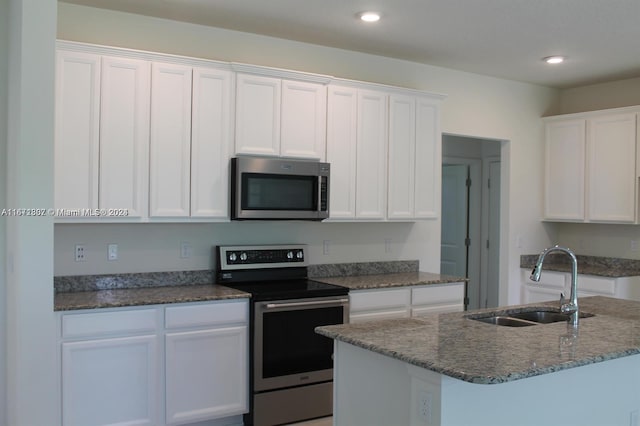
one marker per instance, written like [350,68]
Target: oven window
[290,344]
[278,192]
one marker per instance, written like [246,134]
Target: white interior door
[453,250]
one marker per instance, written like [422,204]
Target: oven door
[287,350]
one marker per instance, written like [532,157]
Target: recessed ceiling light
[554,59]
[369,16]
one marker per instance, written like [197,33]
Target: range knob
[243,256]
[290,255]
[299,255]
[233,257]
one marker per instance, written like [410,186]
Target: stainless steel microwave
[277,189]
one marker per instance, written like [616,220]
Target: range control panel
[254,257]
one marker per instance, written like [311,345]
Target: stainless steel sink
[506,321]
[525,318]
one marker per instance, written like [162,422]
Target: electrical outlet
[387,245]
[325,247]
[80,254]
[185,250]
[424,407]
[634,245]
[112,252]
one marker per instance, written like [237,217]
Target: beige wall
[476,106]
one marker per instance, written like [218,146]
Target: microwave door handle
[319,200]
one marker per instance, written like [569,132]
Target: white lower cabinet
[206,368]
[405,302]
[112,369]
[553,283]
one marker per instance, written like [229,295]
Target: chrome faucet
[567,308]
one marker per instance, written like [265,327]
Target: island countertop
[457,346]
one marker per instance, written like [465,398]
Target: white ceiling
[501,38]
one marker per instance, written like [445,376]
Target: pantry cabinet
[155,365]
[280,117]
[590,167]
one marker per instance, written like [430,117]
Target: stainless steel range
[291,373]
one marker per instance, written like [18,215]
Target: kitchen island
[449,369]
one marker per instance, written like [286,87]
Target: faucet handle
[562,299]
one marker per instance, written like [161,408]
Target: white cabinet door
[77,130]
[124,135]
[210,143]
[110,382]
[303,127]
[206,374]
[371,155]
[428,160]
[341,150]
[414,158]
[257,115]
[611,168]
[170,150]
[565,153]
[402,157]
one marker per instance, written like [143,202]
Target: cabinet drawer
[599,285]
[207,314]
[378,299]
[438,294]
[108,323]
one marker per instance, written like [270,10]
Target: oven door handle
[302,304]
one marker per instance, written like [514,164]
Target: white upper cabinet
[124,135]
[611,165]
[210,139]
[304,120]
[257,115]
[428,159]
[280,117]
[170,149]
[77,127]
[102,133]
[371,155]
[384,147]
[590,167]
[414,158]
[341,150]
[357,151]
[565,153]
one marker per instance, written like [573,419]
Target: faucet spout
[570,307]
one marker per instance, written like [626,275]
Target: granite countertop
[119,297]
[150,288]
[477,352]
[364,282]
[612,267]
